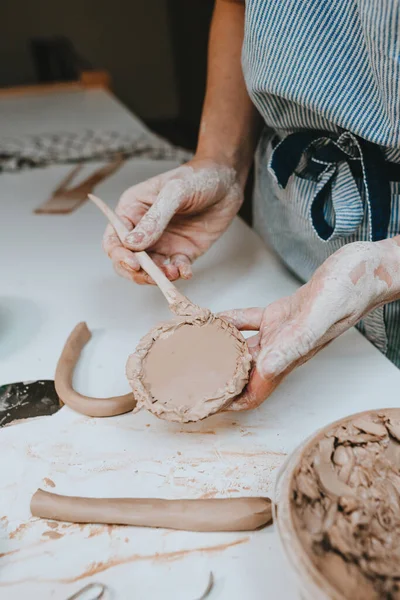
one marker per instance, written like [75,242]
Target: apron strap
[336,164]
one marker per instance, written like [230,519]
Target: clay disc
[190,368]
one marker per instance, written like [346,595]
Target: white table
[53,275]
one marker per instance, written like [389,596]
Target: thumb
[152,225]
[244,319]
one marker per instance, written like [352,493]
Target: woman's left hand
[356,279]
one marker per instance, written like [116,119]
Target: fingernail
[186,272]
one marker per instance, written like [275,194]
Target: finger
[111,239]
[253,344]
[171,271]
[183,264]
[152,224]
[137,197]
[142,278]
[255,393]
[124,272]
[125,258]
[244,319]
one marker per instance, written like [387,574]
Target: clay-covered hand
[349,284]
[176,217]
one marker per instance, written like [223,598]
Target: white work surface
[53,274]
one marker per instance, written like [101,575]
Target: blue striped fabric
[333,66]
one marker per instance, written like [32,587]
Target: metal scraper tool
[27,399]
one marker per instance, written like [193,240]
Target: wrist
[233,160]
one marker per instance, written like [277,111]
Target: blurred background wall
[155,51]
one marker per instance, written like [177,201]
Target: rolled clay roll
[92,407]
[225,514]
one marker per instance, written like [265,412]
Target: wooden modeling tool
[65,200]
[178,303]
[26,400]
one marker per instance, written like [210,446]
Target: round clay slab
[188,369]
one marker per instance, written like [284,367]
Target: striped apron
[325,76]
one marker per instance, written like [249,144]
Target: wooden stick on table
[65,200]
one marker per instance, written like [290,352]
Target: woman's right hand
[176,217]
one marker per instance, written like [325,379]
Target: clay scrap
[345,503]
[225,514]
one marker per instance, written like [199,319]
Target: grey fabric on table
[59,148]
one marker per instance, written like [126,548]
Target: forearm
[230,124]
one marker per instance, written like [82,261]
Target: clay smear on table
[187,369]
[345,503]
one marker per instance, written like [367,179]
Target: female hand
[176,217]
[353,281]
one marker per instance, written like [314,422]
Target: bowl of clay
[337,509]
[189,368]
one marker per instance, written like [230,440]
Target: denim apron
[325,76]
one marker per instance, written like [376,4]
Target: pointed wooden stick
[68,178]
[178,303]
